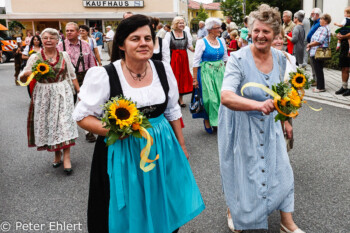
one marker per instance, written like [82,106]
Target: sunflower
[124,112]
[299,80]
[284,101]
[295,101]
[43,68]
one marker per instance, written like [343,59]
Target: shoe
[57,164]
[347,92]
[68,171]
[341,91]
[314,83]
[318,90]
[285,230]
[182,105]
[90,137]
[208,130]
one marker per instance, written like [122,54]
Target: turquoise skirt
[160,200]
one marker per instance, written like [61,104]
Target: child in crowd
[243,40]
[233,46]
[344,26]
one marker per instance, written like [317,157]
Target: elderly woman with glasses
[208,71]
[50,122]
[256,173]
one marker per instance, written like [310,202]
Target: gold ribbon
[30,78]
[276,97]
[145,151]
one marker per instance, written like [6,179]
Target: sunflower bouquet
[288,96]
[123,119]
[40,70]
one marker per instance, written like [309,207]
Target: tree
[202,14]
[233,8]
[292,5]
[216,0]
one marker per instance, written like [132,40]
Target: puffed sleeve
[93,93]
[225,57]
[173,110]
[167,37]
[26,50]
[198,52]
[165,52]
[31,61]
[190,39]
[70,67]
[233,74]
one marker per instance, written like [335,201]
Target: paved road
[32,192]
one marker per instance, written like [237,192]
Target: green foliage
[14,24]
[333,63]
[217,1]
[292,5]
[233,8]
[202,14]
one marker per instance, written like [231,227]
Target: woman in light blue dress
[209,68]
[256,172]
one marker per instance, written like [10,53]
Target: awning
[2,27]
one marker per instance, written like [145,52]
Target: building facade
[335,8]
[36,15]
[212,9]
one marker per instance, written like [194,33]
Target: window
[319,4]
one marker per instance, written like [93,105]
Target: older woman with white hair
[50,122]
[208,71]
[255,169]
[179,41]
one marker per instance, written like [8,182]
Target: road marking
[338,105]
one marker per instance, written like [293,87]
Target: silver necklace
[136,76]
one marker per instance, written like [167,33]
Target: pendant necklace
[136,76]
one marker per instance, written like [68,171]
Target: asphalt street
[34,193]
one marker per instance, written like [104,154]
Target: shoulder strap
[160,40]
[162,76]
[64,45]
[114,82]
[80,59]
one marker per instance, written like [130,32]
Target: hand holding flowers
[40,70]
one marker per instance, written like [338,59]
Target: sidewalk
[333,83]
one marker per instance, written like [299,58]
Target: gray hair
[300,16]
[289,13]
[210,22]
[51,31]
[317,11]
[268,15]
[201,22]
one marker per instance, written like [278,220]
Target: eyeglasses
[49,38]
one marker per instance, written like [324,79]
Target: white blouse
[165,51]
[189,38]
[95,92]
[200,47]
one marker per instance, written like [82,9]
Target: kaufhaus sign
[88,3]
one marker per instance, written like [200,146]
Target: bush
[333,63]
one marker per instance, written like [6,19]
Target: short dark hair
[154,22]
[85,27]
[124,29]
[32,41]
[223,26]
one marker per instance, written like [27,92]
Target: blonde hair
[267,15]
[176,21]
[74,25]
[347,10]
[234,33]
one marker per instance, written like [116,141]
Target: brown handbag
[323,54]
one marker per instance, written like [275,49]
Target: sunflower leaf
[112,138]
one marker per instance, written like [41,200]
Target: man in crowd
[288,26]
[81,57]
[161,33]
[99,41]
[109,40]
[315,17]
[127,14]
[202,31]
[232,25]
[167,28]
